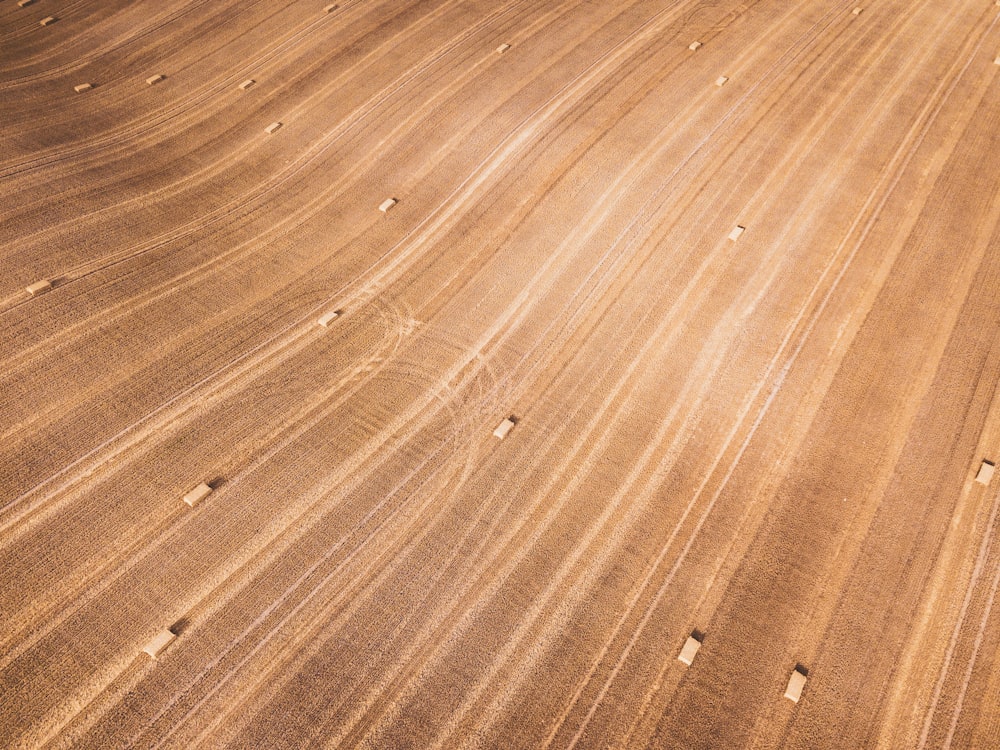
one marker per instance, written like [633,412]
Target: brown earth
[771,441]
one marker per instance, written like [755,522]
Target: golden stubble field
[767,438]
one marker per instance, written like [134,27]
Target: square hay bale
[691,646]
[503,428]
[22,3]
[159,643]
[326,320]
[985,474]
[47,21]
[39,287]
[737,231]
[152,80]
[80,88]
[721,81]
[273,127]
[857,11]
[387,204]
[503,48]
[198,494]
[247,84]
[694,45]
[330,8]
[795,684]
[996,60]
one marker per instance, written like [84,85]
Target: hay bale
[198,494]
[737,231]
[795,684]
[694,45]
[857,11]
[326,320]
[159,643]
[330,8]
[22,3]
[80,88]
[387,204]
[503,428]
[272,127]
[155,79]
[39,287]
[247,84]
[985,473]
[503,48]
[47,21]
[721,81]
[691,646]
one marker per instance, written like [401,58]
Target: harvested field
[251,492]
